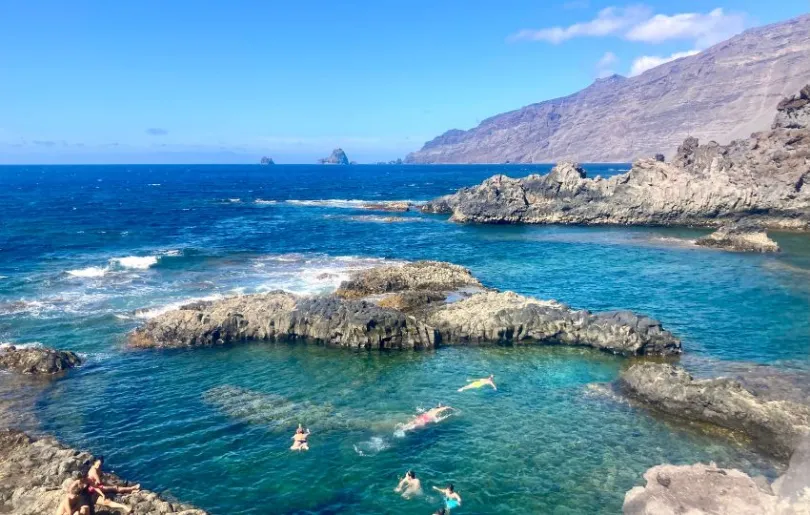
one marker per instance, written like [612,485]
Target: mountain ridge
[725,92]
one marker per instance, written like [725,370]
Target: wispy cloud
[43,143]
[608,21]
[704,30]
[604,68]
[648,62]
[637,23]
[156,131]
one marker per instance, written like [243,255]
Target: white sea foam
[234,200]
[349,203]
[309,275]
[136,262]
[173,253]
[154,184]
[29,345]
[3,277]
[265,202]
[147,313]
[91,271]
[372,446]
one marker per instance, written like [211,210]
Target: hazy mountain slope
[722,93]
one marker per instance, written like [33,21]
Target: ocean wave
[136,262]
[154,184]
[262,202]
[29,345]
[234,200]
[310,275]
[91,271]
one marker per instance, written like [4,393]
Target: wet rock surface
[774,426]
[37,360]
[762,179]
[34,474]
[411,306]
[739,238]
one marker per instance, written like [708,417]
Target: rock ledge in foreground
[775,426]
[37,360]
[36,472]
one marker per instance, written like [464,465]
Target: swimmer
[451,497]
[409,485]
[434,415]
[300,439]
[478,383]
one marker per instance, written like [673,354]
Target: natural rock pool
[89,253]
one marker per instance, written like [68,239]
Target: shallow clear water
[87,253]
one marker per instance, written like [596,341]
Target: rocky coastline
[37,360]
[35,472]
[774,425]
[417,305]
[762,179]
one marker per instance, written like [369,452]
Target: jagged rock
[34,474]
[708,490]
[420,314]
[723,93]
[660,158]
[762,180]
[37,360]
[267,161]
[509,317]
[739,238]
[419,275]
[793,113]
[338,157]
[775,426]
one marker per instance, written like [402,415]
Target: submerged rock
[775,426]
[392,206]
[763,179]
[739,238]
[34,474]
[37,360]
[410,306]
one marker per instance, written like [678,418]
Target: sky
[199,81]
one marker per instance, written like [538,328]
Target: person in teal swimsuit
[451,498]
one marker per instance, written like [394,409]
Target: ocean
[87,253]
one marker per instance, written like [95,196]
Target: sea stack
[267,161]
[338,157]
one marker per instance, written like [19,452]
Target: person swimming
[451,498]
[479,383]
[409,485]
[433,415]
[300,439]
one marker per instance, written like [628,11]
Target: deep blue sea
[89,252]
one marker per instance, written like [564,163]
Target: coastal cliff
[762,179]
[418,305]
[722,93]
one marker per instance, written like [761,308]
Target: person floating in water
[451,497]
[434,415]
[409,485]
[94,479]
[479,383]
[300,439]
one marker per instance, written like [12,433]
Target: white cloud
[703,29]
[637,23]
[610,20]
[647,62]
[604,68]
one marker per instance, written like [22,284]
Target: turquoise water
[88,253]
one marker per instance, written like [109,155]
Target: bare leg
[114,505]
[125,489]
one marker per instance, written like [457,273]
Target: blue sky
[204,81]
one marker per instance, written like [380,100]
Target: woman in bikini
[300,439]
[451,498]
[479,383]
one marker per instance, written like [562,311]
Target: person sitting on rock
[300,439]
[409,485]
[95,475]
[73,503]
[479,383]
